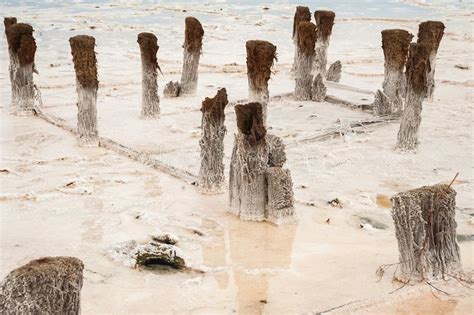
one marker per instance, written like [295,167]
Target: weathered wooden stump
[318,89]
[425,228]
[382,104]
[150,100]
[324,24]
[260,57]
[50,285]
[334,72]
[259,188]
[172,89]
[280,198]
[395,45]
[431,33]
[211,173]
[304,60]
[193,34]
[280,207]
[417,69]
[302,14]
[7,22]
[85,65]
[248,164]
[22,49]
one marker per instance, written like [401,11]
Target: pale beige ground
[248,267]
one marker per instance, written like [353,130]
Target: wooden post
[211,174]
[395,44]
[431,33]
[304,60]
[324,24]
[302,14]
[172,89]
[50,285]
[382,104]
[259,188]
[248,164]
[193,34]
[150,100]
[22,49]
[425,228]
[85,65]
[417,68]
[7,22]
[280,198]
[318,89]
[260,57]
[334,72]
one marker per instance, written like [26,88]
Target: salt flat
[238,266]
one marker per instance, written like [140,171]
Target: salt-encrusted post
[425,228]
[302,14]
[259,187]
[431,33]
[324,24]
[334,72]
[260,57]
[304,60]
[193,34]
[7,22]
[395,44]
[211,174]
[50,285]
[318,89]
[417,68]
[150,100]
[22,48]
[247,193]
[280,196]
[85,65]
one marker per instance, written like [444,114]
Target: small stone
[166,238]
[155,253]
[462,67]
[371,223]
[335,203]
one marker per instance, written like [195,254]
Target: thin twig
[453,179]
[437,289]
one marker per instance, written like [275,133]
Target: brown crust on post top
[302,14]
[46,264]
[250,121]
[431,32]
[324,22]
[9,21]
[21,42]
[85,62]
[418,65]
[215,106]
[307,37]
[260,57]
[148,48]
[193,34]
[395,44]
